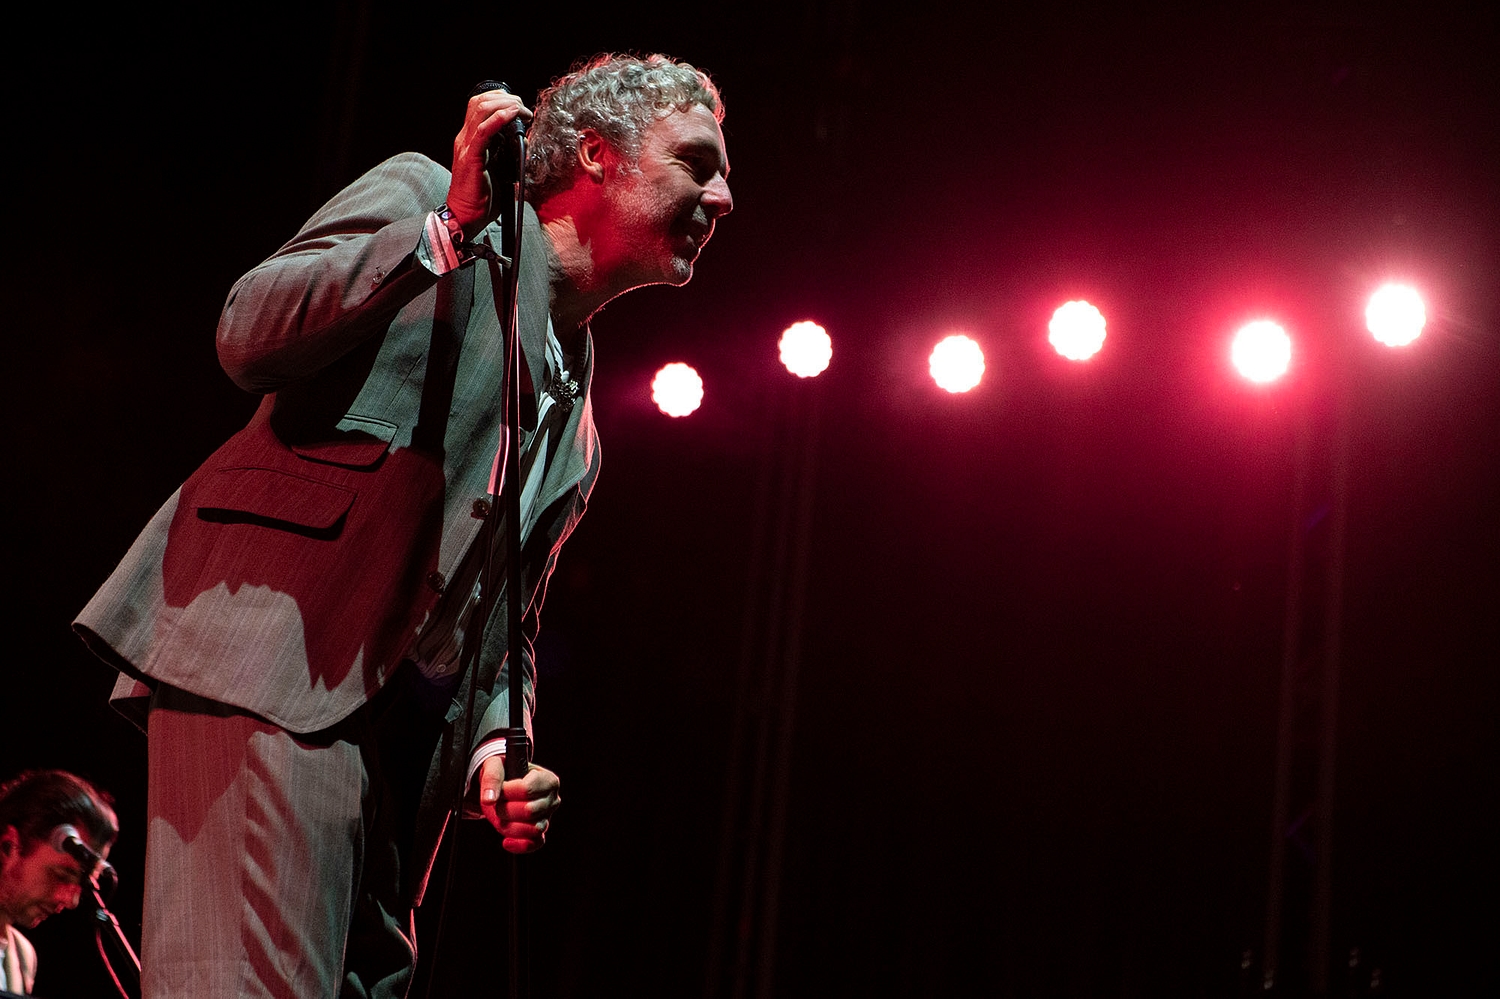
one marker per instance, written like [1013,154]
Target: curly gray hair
[618,96]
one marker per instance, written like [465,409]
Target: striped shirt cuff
[488,748]
[438,251]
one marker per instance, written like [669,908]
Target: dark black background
[1083,567]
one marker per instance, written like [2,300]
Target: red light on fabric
[1076,330]
[1395,315]
[677,390]
[956,363]
[1261,351]
[806,349]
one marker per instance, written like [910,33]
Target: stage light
[1395,315]
[806,349]
[1076,330]
[677,390]
[1262,351]
[956,363]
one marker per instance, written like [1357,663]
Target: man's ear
[594,154]
[10,842]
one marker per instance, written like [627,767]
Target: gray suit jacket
[290,574]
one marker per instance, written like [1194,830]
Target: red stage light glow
[806,349]
[1262,351]
[677,390]
[1076,330]
[956,364]
[1395,315]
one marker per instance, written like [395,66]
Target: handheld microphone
[65,839]
[505,146]
[516,127]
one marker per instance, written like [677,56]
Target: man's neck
[576,291]
[580,281]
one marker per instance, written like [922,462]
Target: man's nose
[70,895]
[717,200]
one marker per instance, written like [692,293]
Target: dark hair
[39,801]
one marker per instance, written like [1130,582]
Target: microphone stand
[517,741]
[507,487]
[102,918]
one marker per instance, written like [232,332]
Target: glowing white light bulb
[1076,330]
[1262,351]
[956,364]
[1395,315]
[806,349]
[677,390]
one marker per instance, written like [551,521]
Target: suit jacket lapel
[534,287]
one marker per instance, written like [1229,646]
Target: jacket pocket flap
[359,443]
[272,495]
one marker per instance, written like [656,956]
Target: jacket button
[436,581]
[480,509]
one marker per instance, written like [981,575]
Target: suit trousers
[275,862]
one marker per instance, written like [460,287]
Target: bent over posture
[291,622]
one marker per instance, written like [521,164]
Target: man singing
[39,811]
[291,624]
